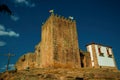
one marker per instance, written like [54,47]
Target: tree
[4,8]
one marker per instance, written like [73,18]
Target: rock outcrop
[62,74]
[26,61]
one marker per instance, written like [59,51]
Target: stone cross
[9,55]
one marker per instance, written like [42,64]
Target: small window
[99,51]
[108,53]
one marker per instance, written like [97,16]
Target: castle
[59,49]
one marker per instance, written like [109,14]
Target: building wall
[104,60]
[46,44]
[59,44]
[89,49]
[94,60]
[59,48]
[38,54]
[85,59]
[99,60]
[66,50]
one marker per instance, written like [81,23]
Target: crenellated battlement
[63,18]
[58,19]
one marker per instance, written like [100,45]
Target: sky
[97,21]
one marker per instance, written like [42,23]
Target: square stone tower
[59,44]
[101,56]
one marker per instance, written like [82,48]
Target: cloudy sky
[97,21]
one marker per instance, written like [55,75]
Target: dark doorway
[78,78]
[82,64]
[82,59]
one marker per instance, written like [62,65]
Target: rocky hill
[62,74]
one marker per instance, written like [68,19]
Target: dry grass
[61,65]
[64,73]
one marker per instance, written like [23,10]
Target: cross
[9,55]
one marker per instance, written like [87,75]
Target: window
[99,51]
[108,53]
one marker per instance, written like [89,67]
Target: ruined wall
[85,59]
[26,61]
[59,45]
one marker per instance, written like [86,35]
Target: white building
[101,55]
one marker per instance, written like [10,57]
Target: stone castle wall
[58,47]
[26,61]
[59,44]
[46,46]
[85,59]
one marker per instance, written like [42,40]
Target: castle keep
[59,49]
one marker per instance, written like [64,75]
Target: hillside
[62,74]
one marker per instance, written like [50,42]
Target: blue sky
[97,21]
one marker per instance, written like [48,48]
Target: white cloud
[25,2]
[2,43]
[2,28]
[14,18]
[10,67]
[10,33]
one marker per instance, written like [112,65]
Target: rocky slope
[62,74]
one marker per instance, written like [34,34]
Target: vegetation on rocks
[62,74]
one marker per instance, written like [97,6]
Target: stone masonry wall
[95,60]
[85,59]
[26,61]
[46,46]
[59,45]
